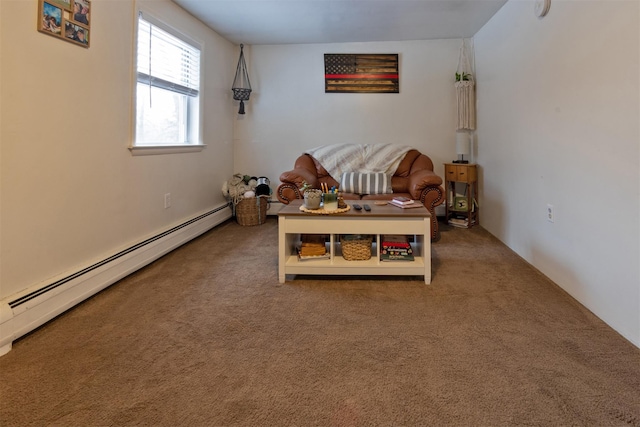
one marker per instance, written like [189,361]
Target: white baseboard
[26,311]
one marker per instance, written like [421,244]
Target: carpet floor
[206,336]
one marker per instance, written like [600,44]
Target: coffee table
[387,219]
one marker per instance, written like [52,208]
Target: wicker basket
[252,211]
[356,247]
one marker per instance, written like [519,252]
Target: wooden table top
[388,210]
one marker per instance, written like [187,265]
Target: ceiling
[256,22]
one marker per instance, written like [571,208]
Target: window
[167,90]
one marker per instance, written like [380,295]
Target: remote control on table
[367,208]
[357,207]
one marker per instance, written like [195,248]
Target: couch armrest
[424,185]
[287,192]
[292,181]
[298,177]
[420,180]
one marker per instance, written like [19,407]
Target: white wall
[558,123]
[71,192]
[289,111]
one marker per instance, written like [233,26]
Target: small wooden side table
[462,208]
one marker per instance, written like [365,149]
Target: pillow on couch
[365,183]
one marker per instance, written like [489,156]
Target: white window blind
[167,62]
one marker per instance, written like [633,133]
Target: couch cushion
[365,183]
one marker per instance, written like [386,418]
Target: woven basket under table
[356,248]
[251,211]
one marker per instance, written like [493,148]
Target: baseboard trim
[22,313]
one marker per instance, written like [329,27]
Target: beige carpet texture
[206,336]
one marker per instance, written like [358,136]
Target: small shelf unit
[458,175]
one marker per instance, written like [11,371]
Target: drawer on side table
[460,173]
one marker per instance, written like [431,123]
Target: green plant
[463,76]
[305,186]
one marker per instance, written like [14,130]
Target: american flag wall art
[361,73]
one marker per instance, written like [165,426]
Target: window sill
[149,150]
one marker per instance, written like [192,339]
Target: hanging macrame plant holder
[241,86]
[465,92]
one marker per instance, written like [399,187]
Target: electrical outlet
[550,213]
[167,200]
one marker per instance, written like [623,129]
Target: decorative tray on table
[321,211]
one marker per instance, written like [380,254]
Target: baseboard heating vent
[20,315]
[112,258]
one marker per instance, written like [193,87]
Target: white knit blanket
[363,158]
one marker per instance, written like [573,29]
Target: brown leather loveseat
[414,178]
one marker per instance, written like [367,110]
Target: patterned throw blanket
[364,158]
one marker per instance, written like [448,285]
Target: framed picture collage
[69,20]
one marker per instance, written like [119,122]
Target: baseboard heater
[33,307]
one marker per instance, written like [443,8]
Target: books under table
[395,247]
[395,241]
[301,257]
